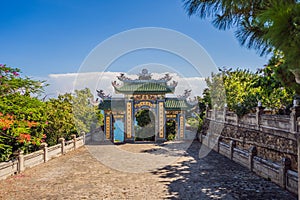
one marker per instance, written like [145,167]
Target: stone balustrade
[266,144]
[46,153]
[280,173]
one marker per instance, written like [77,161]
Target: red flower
[24,137]
[16,73]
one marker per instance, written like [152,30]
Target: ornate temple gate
[144,93]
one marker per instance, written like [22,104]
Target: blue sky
[54,36]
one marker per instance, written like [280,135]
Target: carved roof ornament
[174,83]
[122,77]
[186,94]
[167,77]
[193,101]
[102,95]
[144,83]
[145,75]
[115,84]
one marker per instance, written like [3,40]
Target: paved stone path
[79,175]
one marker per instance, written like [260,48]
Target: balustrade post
[298,149]
[259,112]
[232,145]
[62,141]
[214,113]
[295,113]
[83,137]
[285,165]
[219,140]
[225,112]
[21,166]
[74,141]
[44,146]
[252,153]
[208,139]
[200,136]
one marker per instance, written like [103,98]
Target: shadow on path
[215,177]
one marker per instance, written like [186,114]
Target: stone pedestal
[259,112]
[232,145]
[285,165]
[74,140]
[62,141]
[44,146]
[252,153]
[295,113]
[21,161]
[298,145]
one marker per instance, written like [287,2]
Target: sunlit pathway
[78,175]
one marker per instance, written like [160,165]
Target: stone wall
[273,137]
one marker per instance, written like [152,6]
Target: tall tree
[86,116]
[22,117]
[264,25]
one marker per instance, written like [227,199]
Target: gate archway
[145,125]
[143,93]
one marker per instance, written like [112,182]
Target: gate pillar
[161,135]
[181,126]
[108,126]
[129,125]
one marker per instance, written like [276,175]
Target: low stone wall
[22,162]
[274,136]
[278,173]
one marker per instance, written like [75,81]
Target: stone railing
[46,153]
[266,144]
[279,173]
[259,120]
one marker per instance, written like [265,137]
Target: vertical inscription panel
[128,119]
[107,126]
[161,119]
[181,121]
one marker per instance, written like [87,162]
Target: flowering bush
[26,121]
[17,135]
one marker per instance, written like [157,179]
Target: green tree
[11,82]
[217,93]
[145,121]
[22,117]
[244,89]
[264,25]
[144,117]
[60,118]
[87,116]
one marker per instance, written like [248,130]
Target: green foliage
[22,117]
[196,122]
[263,25]
[86,116]
[144,117]
[60,119]
[146,125]
[11,82]
[217,93]
[71,114]
[244,89]
[26,121]
[171,130]
[271,91]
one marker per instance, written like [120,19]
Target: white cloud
[62,83]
